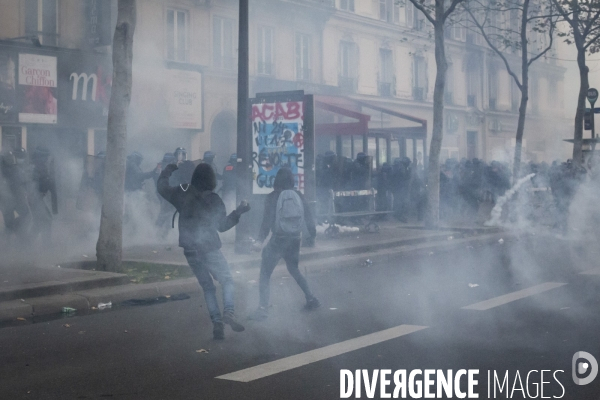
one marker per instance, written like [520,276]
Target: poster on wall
[277,142]
[184,99]
[8,96]
[37,87]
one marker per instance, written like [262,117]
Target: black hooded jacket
[284,180]
[202,213]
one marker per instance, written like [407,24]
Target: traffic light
[587,119]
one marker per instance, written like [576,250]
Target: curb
[86,299]
[96,279]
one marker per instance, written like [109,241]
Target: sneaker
[259,315]
[229,319]
[312,304]
[218,331]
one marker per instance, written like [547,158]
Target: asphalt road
[151,352]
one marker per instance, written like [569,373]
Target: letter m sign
[84,90]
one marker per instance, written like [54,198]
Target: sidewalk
[30,291]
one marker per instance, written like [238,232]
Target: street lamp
[243,168]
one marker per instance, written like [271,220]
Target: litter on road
[202,351]
[68,310]
[472,285]
[102,306]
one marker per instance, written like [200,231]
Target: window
[348,61]
[449,89]
[493,88]
[223,43]
[302,57]
[414,18]
[347,5]
[473,81]
[553,94]
[419,78]
[389,11]
[515,96]
[386,72]
[41,20]
[177,35]
[472,35]
[264,45]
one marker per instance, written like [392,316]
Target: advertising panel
[37,87]
[184,99]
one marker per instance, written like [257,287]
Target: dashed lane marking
[595,271]
[514,296]
[302,359]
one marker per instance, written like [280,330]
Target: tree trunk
[524,92]
[432,216]
[584,85]
[110,241]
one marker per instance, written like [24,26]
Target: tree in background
[437,13]
[582,17]
[515,26]
[110,241]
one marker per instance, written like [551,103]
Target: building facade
[185,75]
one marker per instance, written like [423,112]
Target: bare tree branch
[421,8]
[496,50]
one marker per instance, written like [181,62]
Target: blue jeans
[207,266]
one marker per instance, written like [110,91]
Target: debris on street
[102,306]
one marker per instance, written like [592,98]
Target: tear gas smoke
[497,210]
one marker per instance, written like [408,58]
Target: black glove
[244,207]
[170,168]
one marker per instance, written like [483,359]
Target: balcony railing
[471,100]
[226,63]
[385,89]
[265,68]
[419,93]
[347,84]
[303,74]
[448,97]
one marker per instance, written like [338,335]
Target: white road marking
[595,271]
[299,360]
[510,297]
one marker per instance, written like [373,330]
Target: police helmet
[136,157]
[209,155]
[180,151]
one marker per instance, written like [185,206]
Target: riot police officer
[43,182]
[134,176]
[229,179]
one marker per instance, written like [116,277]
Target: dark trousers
[275,250]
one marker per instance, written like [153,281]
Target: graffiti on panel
[277,142]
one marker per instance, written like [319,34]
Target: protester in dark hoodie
[202,216]
[281,245]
